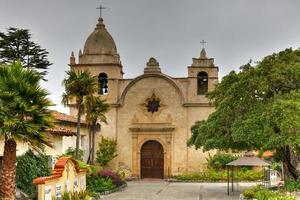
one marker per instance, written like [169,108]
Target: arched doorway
[152,160]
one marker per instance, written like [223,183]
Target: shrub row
[214,175]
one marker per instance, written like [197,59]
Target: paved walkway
[160,190]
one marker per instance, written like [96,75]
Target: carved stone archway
[140,136]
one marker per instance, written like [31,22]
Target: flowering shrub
[112,175]
[102,180]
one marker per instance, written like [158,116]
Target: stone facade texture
[129,120]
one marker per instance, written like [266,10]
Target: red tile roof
[61,131]
[64,117]
[58,170]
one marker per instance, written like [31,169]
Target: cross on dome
[203,42]
[100,9]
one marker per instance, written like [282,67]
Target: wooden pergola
[247,160]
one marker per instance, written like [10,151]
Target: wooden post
[228,180]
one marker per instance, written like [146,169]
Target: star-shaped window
[153,105]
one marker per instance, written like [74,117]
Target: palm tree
[78,84]
[95,111]
[24,116]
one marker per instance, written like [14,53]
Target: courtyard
[157,189]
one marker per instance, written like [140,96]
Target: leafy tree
[257,108]
[24,116]
[107,151]
[95,109]
[77,86]
[16,46]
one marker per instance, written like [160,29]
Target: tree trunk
[93,142]
[78,130]
[290,170]
[90,145]
[8,172]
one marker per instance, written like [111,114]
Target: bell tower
[101,58]
[203,76]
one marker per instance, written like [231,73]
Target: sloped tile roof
[61,131]
[64,117]
[58,170]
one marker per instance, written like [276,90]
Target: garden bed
[212,175]
[261,193]
[98,195]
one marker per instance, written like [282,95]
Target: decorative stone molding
[198,105]
[161,75]
[152,111]
[152,67]
[151,129]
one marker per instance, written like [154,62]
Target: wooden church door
[152,160]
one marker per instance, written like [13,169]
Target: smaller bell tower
[202,76]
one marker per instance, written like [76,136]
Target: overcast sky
[169,30]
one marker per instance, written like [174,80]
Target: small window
[202,79]
[103,84]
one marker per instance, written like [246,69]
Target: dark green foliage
[24,116]
[107,151]
[99,181]
[219,161]
[16,45]
[29,167]
[256,108]
[292,186]
[24,112]
[97,184]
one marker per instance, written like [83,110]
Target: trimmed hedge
[214,175]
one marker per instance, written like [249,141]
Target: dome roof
[100,41]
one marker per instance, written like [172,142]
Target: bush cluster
[111,175]
[261,193]
[107,151]
[103,180]
[292,186]
[220,175]
[219,161]
[29,167]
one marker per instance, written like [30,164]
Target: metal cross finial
[101,8]
[203,42]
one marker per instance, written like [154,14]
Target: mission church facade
[150,115]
